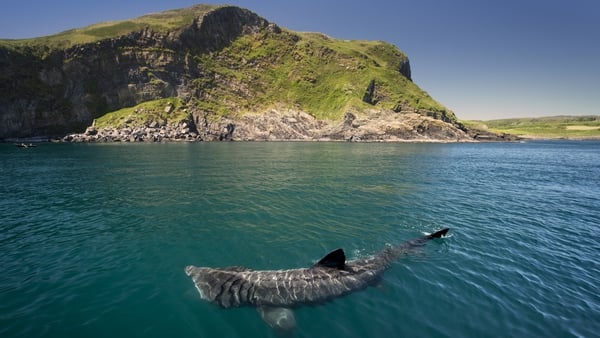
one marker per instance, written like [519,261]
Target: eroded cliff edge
[233,75]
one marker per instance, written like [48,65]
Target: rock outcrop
[149,133]
[276,125]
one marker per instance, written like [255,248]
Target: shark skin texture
[276,292]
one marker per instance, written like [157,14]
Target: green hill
[220,62]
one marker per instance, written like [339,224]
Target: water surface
[94,238]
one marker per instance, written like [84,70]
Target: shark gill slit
[244,291]
[236,286]
[219,296]
[230,294]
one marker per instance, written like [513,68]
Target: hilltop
[213,73]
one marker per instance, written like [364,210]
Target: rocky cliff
[228,73]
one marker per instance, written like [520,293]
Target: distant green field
[570,127]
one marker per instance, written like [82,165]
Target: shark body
[276,292]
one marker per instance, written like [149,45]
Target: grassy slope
[544,127]
[311,72]
[307,71]
[146,112]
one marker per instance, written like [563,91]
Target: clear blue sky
[483,59]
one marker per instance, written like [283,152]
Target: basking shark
[275,292]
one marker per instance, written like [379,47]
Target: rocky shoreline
[287,125]
[150,133]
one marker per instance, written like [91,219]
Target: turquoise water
[94,238]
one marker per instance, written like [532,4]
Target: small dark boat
[25,145]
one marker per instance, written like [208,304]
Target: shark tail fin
[438,234]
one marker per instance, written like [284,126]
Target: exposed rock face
[369,96]
[405,69]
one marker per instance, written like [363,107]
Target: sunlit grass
[314,73]
[145,113]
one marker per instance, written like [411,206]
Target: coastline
[287,125]
[77,138]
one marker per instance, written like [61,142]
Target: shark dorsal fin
[335,259]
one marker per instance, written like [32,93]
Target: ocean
[94,238]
